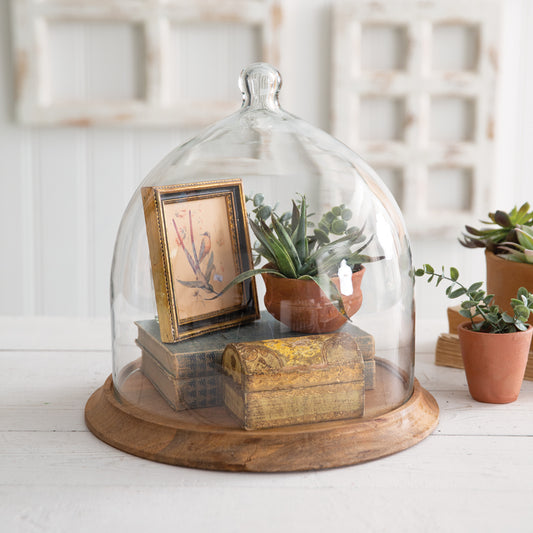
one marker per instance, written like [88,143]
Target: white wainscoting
[64,189]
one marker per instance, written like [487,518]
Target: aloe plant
[477,303]
[292,251]
[502,229]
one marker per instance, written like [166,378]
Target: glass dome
[187,347]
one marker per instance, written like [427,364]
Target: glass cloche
[262,295]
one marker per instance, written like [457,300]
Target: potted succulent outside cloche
[313,281]
[494,343]
[508,242]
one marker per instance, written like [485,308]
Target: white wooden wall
[64,189]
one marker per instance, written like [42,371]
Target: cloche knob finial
[260,84]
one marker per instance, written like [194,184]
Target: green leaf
[346,214]
[515,257]
[264,212]
[243,276]
[282,258]
[338,227]
[475,286]
[324,226]
[429,269]
[354,232]
[454,274]
[330,290]
[299,233]
[525,237]
[473,231]
[457,292]
[295,218]
[493,318]
[477,295]
[262,251]
[329,217]
[466,313]
[262,237]
[321,235]
[502,218]
[284,219]
[507,318]
[521,313]
[286,242]
[258,199]
[419,272]
[524,208]
[488,298]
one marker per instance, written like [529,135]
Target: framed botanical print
[198,241]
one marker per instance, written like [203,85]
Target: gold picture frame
[198,241]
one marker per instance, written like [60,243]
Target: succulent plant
[522,251]
[284,241]
[506,224]
[291,252]
[477,303]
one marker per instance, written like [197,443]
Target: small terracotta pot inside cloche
[304,307]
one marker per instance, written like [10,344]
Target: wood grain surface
[211,438]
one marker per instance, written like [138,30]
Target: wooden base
[211,439]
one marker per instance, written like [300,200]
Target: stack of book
[189,375]
[186,374]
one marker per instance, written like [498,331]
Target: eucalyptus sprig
[477,303]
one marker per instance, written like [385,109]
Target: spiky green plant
[477,303]
[502,228]
[291,252]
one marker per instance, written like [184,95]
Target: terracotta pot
[504,278]
[303,306]
[494,363]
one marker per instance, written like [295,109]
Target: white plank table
[475,473]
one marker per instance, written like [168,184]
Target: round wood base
[202,444]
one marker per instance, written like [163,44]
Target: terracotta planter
[494,363]
[504,278]
[303,306]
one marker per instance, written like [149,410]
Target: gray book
[202,356]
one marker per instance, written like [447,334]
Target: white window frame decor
[416,83]
[31,21]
